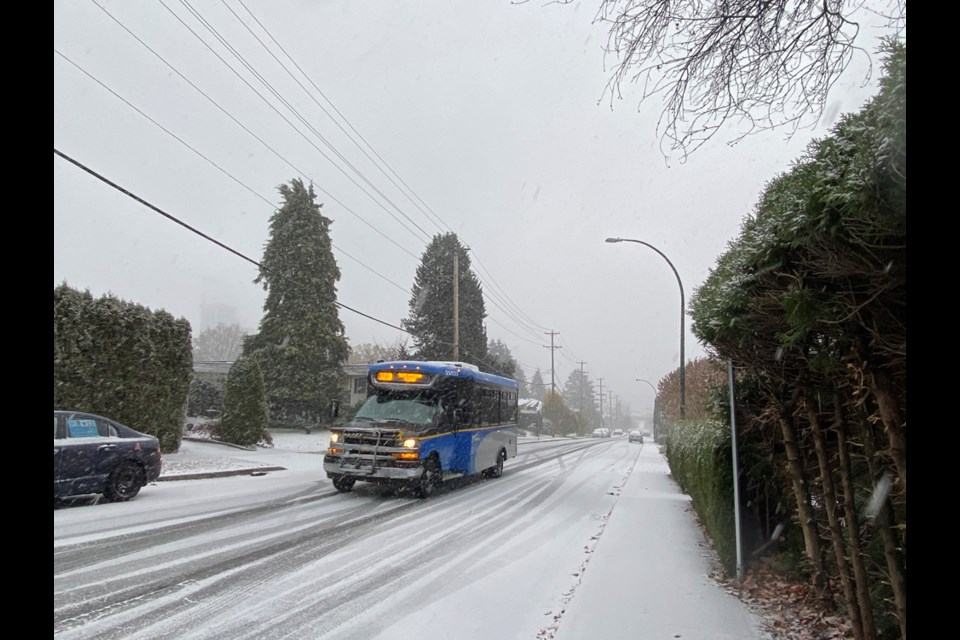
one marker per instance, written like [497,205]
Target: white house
[531,414]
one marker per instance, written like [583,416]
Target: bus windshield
[413,407]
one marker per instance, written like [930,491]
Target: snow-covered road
[285,556]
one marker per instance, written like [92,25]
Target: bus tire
[497,470]
[344,483]
[429,479]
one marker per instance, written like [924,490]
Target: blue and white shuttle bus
[423,423]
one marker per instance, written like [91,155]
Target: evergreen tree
[245,404]
[576,385]
[523,387]
[499,360]
[301,345]
[558,413]
[537,387]
[430,322]
[204,394]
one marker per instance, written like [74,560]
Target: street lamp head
[614,239]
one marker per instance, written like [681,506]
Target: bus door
[463,417]
[459,437]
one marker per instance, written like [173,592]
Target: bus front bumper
[372,470]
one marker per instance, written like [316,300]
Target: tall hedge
[121,360]
[809,303]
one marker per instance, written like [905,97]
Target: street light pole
[683,362]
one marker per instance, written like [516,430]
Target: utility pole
[553,387]
[580,416]
[456,306]
[656,418]
[600,381]
[610,405]
[581,363]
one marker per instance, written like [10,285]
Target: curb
[212,441]
[252,471]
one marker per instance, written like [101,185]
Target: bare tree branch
[755,64]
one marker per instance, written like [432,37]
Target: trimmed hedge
[123,361]
[700,459]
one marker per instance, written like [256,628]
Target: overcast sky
[490,120]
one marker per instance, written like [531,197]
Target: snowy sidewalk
[204,458]
[643,584]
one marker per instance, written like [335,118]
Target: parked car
[93,454]
[635,436]
[601,432]
[617,432]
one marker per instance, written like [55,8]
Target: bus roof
[454,369]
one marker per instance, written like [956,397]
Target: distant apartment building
[214,313]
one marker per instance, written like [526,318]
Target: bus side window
[463,411]
[508,406]
[489,406]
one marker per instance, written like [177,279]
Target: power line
[552,348]
[217,166]
[293,110]
[285,119]
[514,334]
[438,222]
[202,234]
[514,305]
[235,120]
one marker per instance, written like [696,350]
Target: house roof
[212,366]
[529,405]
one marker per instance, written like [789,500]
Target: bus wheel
[497,470]
[343,483]
[430,479]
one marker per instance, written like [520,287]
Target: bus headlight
[335,439]
[413,444]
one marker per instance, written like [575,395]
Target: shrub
[204,395]
[245,404]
